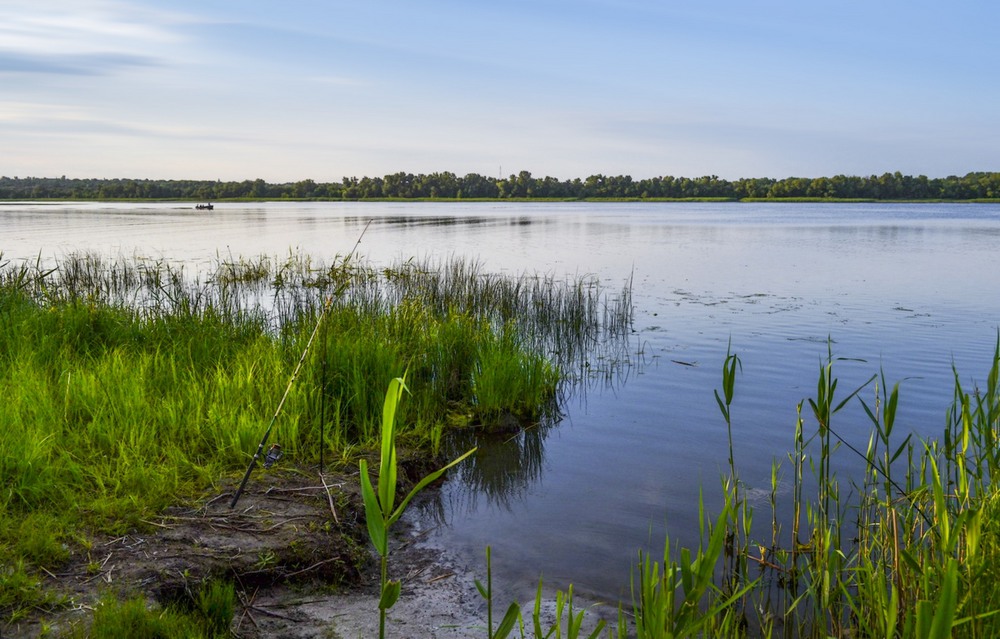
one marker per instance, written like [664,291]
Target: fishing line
[322,400]
[295,373]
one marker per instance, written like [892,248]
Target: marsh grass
[216,604]
[906,550]
[132,384]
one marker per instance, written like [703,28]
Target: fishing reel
[272,456]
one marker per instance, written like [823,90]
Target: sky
[293,90]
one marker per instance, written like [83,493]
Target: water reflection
[500,474]
[449,220]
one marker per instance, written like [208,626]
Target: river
[905,289]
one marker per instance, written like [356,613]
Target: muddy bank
[296,548]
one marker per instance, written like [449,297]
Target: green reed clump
[566,619]
[505,382]
[458,365]
[906,550]
[909,549]
[216,604]
[570,320]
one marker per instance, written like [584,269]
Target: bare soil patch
[296,548]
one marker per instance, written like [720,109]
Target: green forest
[446,185]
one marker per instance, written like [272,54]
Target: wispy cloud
[338,81]
[61,121]
[89,37]
[80,64]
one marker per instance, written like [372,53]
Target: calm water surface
[907,289]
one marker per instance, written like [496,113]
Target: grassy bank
[131,385]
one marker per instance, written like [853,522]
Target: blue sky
[292,90]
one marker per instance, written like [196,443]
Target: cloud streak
[83,38]
[89,64]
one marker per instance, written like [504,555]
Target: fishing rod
[272,457]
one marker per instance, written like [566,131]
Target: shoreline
[518,200]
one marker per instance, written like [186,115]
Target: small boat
[205,207]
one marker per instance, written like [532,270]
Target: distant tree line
[888,186]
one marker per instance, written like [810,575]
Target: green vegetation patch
[132,386]
[207,615]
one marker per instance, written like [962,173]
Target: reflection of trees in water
[502,471]
[451,220]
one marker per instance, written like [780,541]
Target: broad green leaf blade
[423,484]
[944,615]
[708,559]
[536,617]
[729,376]
[873,419]
[575,623]
[687,575]
[597,630]
[902,448]
[892,613]
[911,562]
[854,394]
[722,406]
[941,514]
[509,619]
[924,619]
[890,409]
[390,595]
[373,514]
[387,468]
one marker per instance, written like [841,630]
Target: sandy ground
[439,599]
